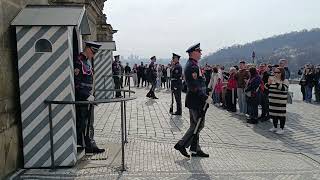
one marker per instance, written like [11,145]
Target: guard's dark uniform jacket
[152,73]
[176,77]
[176,87]
[116,68]
[84,79]
[196,93]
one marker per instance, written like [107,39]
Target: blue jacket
[196,93]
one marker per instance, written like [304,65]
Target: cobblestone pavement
[237,150]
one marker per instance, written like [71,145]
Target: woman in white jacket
[214,79]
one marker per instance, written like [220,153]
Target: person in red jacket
[231,95]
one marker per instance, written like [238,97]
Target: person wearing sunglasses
[83,79]
[278,87]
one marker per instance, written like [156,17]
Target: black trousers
[139,80]
[127,79]
[281,119]
[117,85]
[153,87]
[189,139]
[303,91]
[264,102]
[231,100]
[177,97]
[82,116]
[253,107]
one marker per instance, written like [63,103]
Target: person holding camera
[278,87]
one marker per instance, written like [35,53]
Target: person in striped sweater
[278,93]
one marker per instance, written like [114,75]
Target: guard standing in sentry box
[196,101]
[176,84]
[83,79]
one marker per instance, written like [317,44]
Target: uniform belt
[173,79]
[86,85]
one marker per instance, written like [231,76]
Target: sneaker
[238,113]
[273,129]
[280,131]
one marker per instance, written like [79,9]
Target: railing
[123,119]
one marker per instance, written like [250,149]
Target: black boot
[94,150]
[199,154]
[182,150]
[177,113]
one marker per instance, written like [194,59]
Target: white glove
[209,100]
[90,98]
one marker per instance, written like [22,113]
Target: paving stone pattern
[237,150]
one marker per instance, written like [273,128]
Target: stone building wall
[10,121]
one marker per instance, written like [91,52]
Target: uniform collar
[84,57]
[193,61]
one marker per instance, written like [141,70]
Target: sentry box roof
[52,15]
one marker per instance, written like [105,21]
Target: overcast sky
[160,27]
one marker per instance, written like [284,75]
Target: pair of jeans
[216,97]
[308,91]
[242,100]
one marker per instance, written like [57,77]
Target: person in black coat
[83,79]
[176,82]
[127,71]
[196,98]
[140,72]
[152,75]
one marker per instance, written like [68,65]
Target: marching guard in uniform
[196,99]
[83,71]
[117,72]
[152,75]
[176,84]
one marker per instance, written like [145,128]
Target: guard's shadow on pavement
[176,123]
[150,102]
[194,166]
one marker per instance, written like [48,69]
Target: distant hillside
[298,47]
